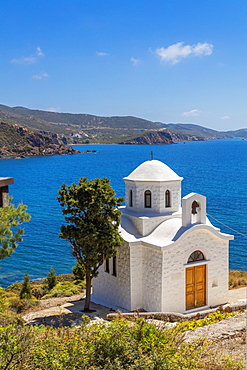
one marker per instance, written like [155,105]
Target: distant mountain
[160,137]
[20,107]
[203,132]
[87,128]
[91,128]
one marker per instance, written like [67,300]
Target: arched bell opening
[195,212]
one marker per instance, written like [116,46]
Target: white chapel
[172,259]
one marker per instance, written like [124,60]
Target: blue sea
[214,168]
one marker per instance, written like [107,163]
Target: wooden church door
[195,287]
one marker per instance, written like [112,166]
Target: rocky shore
[19,142]
[160,137]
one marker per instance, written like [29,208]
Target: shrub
[119,345]
[8,317]
[15,344]
[65,277]
[64,289]
[19,305]
[15,288]
[38,291]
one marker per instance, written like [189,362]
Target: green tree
[79,271]
[26,292]
[92,217]
[51,278]
[11,218]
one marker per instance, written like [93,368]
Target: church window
[147,199]
[168,198]
[196,256]
[114,266]
[107,268]
[131,198]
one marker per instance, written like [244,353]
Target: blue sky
[162,60]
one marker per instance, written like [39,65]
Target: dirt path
[62,311]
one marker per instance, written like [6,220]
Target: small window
[147,199]
[131,198]
[196,256]
[107,269]
[114,266]
[168,198]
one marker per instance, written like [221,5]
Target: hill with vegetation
[77,127]
[160,137]
[19,141]
[87,128]
[202,132]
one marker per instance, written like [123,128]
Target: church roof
[166,233]
[153,170]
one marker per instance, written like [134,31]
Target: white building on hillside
[173,259]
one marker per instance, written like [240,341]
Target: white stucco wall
[145,225]
[152,279]
[114,291]
[175,263]
[136,271]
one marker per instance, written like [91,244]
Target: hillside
[19,141]
[87,128]
[160,137]
[202,132]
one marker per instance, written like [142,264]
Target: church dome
[153,170]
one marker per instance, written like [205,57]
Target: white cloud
[102,54]
[177,52]
[54,109]
[135,61]
[24,60]
[40,76]
[39,52]
[225,117]
[191,113]
[31,59]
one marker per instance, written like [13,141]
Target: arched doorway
[195,282]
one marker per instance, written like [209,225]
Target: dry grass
[237,279]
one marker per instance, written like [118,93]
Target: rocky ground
[226,338]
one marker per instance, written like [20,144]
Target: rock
[227,328]
[20,142]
